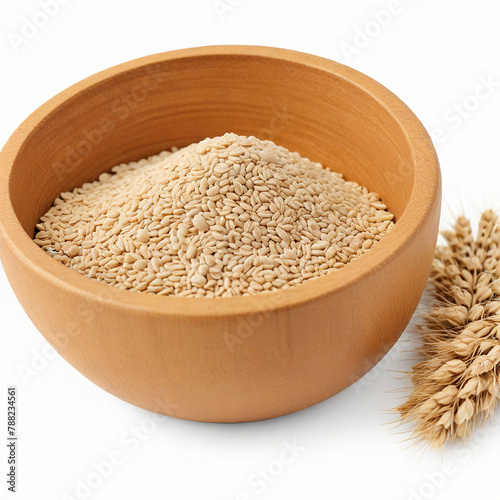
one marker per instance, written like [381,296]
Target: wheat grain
[227,216]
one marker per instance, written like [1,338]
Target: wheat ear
[457,385]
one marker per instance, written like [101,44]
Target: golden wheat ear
[457,385]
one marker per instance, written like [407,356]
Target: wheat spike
[457,385]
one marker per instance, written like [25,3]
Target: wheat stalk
[457,385]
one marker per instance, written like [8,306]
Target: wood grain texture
[226,359]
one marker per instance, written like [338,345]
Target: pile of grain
[228,216]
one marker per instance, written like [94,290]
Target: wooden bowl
[224,359]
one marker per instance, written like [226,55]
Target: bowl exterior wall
[242,368]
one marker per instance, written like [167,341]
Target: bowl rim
[424,196]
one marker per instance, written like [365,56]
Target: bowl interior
[143,110]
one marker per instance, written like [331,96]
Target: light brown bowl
[224,359]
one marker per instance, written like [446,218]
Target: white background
[433,55]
